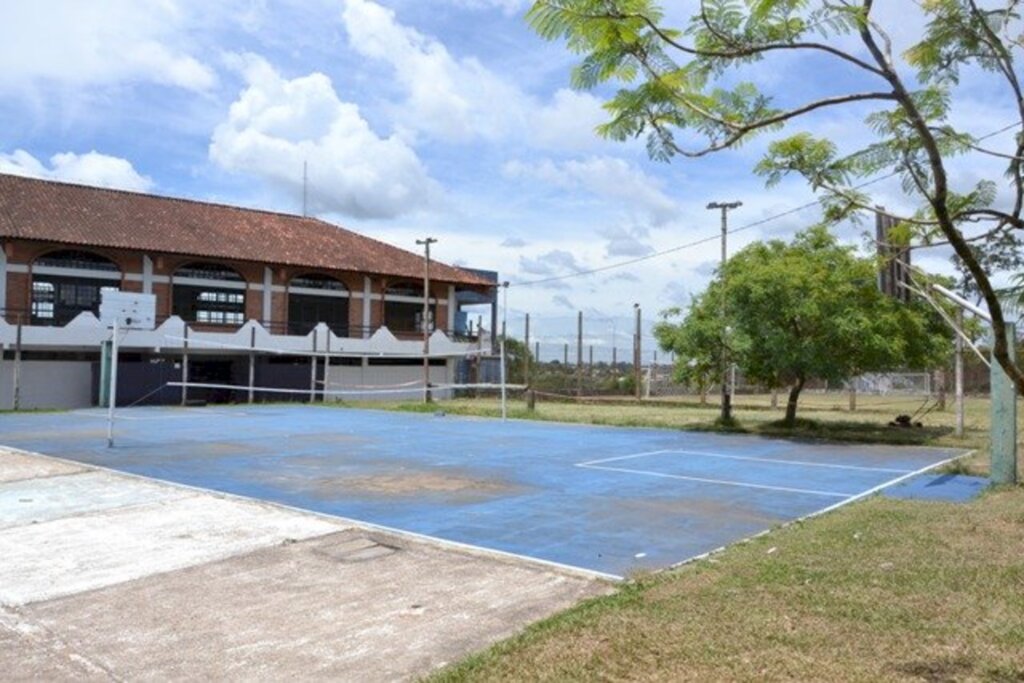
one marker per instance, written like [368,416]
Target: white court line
[823,511]
[748,458]
[726,482]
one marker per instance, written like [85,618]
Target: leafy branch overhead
[682,88]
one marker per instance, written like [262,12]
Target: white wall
[47,384]
[378,379]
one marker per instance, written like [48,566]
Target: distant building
[230,279]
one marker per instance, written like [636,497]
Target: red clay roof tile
[88,216]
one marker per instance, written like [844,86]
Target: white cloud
[624,241]
[554,262]
[460,99]
[605,177]
[562,301]
[506,6]
[513,242]
[448,98]
[92,168]
[276,124]
[79,44]
[568,121]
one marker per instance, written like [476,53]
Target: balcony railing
[16,316]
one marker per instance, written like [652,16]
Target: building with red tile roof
[210,266]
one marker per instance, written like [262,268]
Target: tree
[686,81]
[805,310]
[698,343]
[516,358]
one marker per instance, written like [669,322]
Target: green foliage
[516,357]
[683,88]
[805,310]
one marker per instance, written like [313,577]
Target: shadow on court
[605,499]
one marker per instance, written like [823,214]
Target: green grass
[883,590]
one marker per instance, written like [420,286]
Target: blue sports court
[609,500]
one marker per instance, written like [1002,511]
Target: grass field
[880,590]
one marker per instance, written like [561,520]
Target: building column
[147,274]
[367,303]
[268,294]
[451,309]
[3,276]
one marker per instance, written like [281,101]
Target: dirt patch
[415,483]
[714,510]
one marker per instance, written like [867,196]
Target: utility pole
[426,316]
[579,353]
[725,207]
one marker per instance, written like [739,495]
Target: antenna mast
[305,186]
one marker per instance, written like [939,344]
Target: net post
[312,370]
[16,404]
[504,397]
[327,370]
[184,367]
[113,385]
[1004,416]
[252,363]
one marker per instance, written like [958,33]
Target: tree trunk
[794,396]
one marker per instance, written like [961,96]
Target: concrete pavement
[105,576]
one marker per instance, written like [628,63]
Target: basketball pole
[112,392]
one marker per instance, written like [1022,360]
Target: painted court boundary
[599,464]
[824,511]
[591,464]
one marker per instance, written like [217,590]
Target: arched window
[314,299]
[403,308]
[209,293]
[69,282]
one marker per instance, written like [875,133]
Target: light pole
[504,321]
[725,207]
[426,316]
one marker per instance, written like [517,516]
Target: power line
[717,236]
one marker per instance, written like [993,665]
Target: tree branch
[939,203]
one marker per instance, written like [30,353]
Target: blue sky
[447,118]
